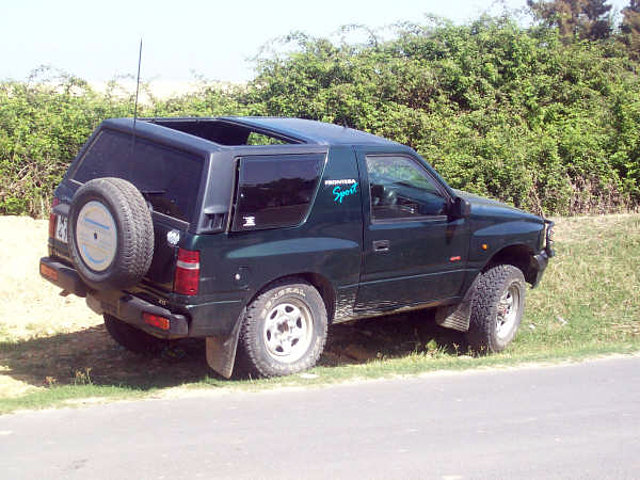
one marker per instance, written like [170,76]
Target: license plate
[61,229]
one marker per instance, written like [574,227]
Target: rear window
[275,191]
[169,179]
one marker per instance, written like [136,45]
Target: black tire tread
[250,362]
[138,259]
[481,335]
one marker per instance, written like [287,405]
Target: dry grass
[29,305]
[591,292]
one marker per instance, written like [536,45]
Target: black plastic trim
[541,260]
[129,309]
[68,279]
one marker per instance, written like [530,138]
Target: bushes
[42,126]
[498,109]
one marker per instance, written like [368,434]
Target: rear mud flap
[221,351]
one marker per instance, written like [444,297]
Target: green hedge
[498,109]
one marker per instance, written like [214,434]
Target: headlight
[548,235]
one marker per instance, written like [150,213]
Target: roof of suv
[209,134]
[292,130]
[310,131]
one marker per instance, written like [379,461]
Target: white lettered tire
[284,330]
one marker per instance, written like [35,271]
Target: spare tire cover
[110,234]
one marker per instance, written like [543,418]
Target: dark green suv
[259,233]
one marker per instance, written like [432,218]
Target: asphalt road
[565,422]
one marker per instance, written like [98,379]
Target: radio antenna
[135,108]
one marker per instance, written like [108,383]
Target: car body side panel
[237,265]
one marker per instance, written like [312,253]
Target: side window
[275,191]
[399,188]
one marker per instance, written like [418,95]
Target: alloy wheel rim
[288,331]
[507,314]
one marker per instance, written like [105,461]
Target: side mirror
[459,208]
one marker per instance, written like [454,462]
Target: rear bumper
[63,276]
[215,318]
[126,307]
[132,310]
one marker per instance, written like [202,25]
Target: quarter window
[399,188]
[275,191]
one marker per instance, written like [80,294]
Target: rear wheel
[284,330]
[497,309]
[131,338]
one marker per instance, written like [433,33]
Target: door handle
[381,245]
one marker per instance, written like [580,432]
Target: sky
[216,40]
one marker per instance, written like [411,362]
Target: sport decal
[342,188]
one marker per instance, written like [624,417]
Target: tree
[562,14]
[585,19]
[631,28]
[599,23]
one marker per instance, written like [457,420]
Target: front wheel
[284,330]
[497,309]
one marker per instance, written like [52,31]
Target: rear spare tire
[110,234]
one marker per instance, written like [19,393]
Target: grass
[55,352]
[591,294]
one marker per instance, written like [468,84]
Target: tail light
[156,321]
[53,217]
[187,276]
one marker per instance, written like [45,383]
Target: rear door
[413,252]
[170,180]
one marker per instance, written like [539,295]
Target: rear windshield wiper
[153,192]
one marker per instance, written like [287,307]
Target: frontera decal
[344,181]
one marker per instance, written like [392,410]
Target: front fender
[487,242]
